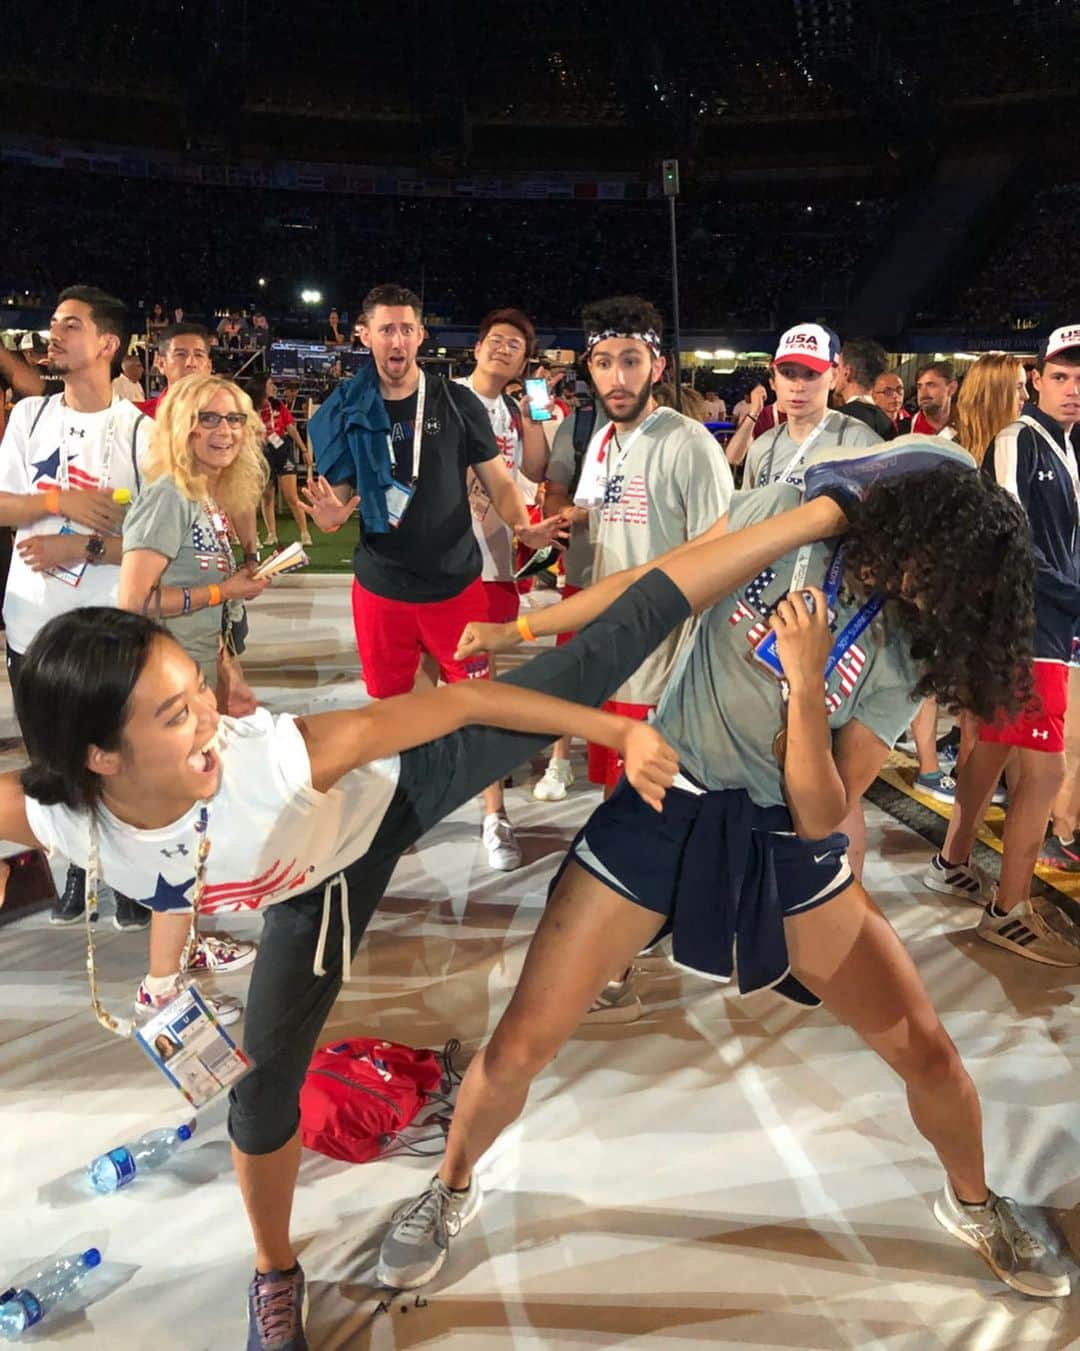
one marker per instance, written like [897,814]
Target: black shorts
[280,458]
[721,874]
[287,1003]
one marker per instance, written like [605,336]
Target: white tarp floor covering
[722,1173]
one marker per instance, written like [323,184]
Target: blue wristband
[187,601]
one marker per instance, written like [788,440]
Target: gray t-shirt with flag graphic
[721,713]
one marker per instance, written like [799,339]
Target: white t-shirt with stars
[28,464]
[495,538]
[272,835]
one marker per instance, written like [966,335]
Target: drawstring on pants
[346,934]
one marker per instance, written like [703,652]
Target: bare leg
[586,932]
[288,492]
[969,736]
[847,953]
[561,749]
[1066,810]
[974,789]
[267,1184]
[924,734]
[168,934]
[1041,776]
[268,505]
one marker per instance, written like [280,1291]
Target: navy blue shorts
[719,872]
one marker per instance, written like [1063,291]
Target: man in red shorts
[503,346]
[1035,458]
[399,444]
[651,479]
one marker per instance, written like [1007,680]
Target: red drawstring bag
[360,1094]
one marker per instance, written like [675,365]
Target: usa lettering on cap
[810,345]
[1060,340]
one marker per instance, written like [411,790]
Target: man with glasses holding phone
[400,444]
[65,455]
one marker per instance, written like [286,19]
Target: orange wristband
[215,593]
[523,628]
[52,501]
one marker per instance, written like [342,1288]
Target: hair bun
[48,786]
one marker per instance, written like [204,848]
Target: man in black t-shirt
[418,577]
[861,362]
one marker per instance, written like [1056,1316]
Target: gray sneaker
[997,1232]
[418,1241]
[1037,930]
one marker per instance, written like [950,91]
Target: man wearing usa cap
[804,372]
[1034,458]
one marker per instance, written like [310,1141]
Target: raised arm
[338,742]
[704,570]
[13,823]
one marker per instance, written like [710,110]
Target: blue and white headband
[649,337]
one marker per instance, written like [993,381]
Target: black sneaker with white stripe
[954,879]
[1036,929]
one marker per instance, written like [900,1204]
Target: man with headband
[651,480]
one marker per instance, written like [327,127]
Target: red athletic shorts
[391,634]
[567,592]
[1041,728]
[606,766]
[503,601]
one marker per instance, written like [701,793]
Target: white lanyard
[418,432]
[1070,461]
[106,454]
[624,446]
[219,524]
[801,452]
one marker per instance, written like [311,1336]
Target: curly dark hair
[626,314]
[953,550]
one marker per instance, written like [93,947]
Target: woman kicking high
[131,764]
[930,593]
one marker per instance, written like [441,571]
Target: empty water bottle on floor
[123,1164]
[43,1291]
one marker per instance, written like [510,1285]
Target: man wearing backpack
[64,456]
[400,445]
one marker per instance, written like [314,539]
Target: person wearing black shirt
[418,574]
[861,362]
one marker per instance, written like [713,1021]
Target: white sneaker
[557,779]
[1000,1235]
[616,1003]
[503,850]
[224,1007]
[1042,934]
[954,879]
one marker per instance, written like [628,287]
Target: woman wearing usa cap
[804,374]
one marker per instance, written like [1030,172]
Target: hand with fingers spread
[551,530]
[650,763]
[324,506]
[803,640]
[478,638]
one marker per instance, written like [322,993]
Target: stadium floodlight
[262,281]
[311,297]
[703,356]
[724,354]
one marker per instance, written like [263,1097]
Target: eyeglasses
[210,420]
[512,345]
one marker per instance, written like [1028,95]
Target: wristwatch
[95,549]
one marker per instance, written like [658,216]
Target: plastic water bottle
[122,1164]
[43,1291]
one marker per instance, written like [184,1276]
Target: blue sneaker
[846,472]
[940,786]
[277,1308]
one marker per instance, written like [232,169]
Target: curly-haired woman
[204,467]
[930,593]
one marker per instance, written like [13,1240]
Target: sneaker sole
[999,941]
[1014,1282]
[932,883]
[549,797]
[391,1283]
[620,1013]
[131,925]
[947,798]
[62,921]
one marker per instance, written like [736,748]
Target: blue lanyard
[766,652]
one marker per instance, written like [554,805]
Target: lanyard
[68,454]
[801,453]
[766,654]
[219,524]
[624,447]
[418,432]
[1069,460]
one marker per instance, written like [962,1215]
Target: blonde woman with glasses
[205,468]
